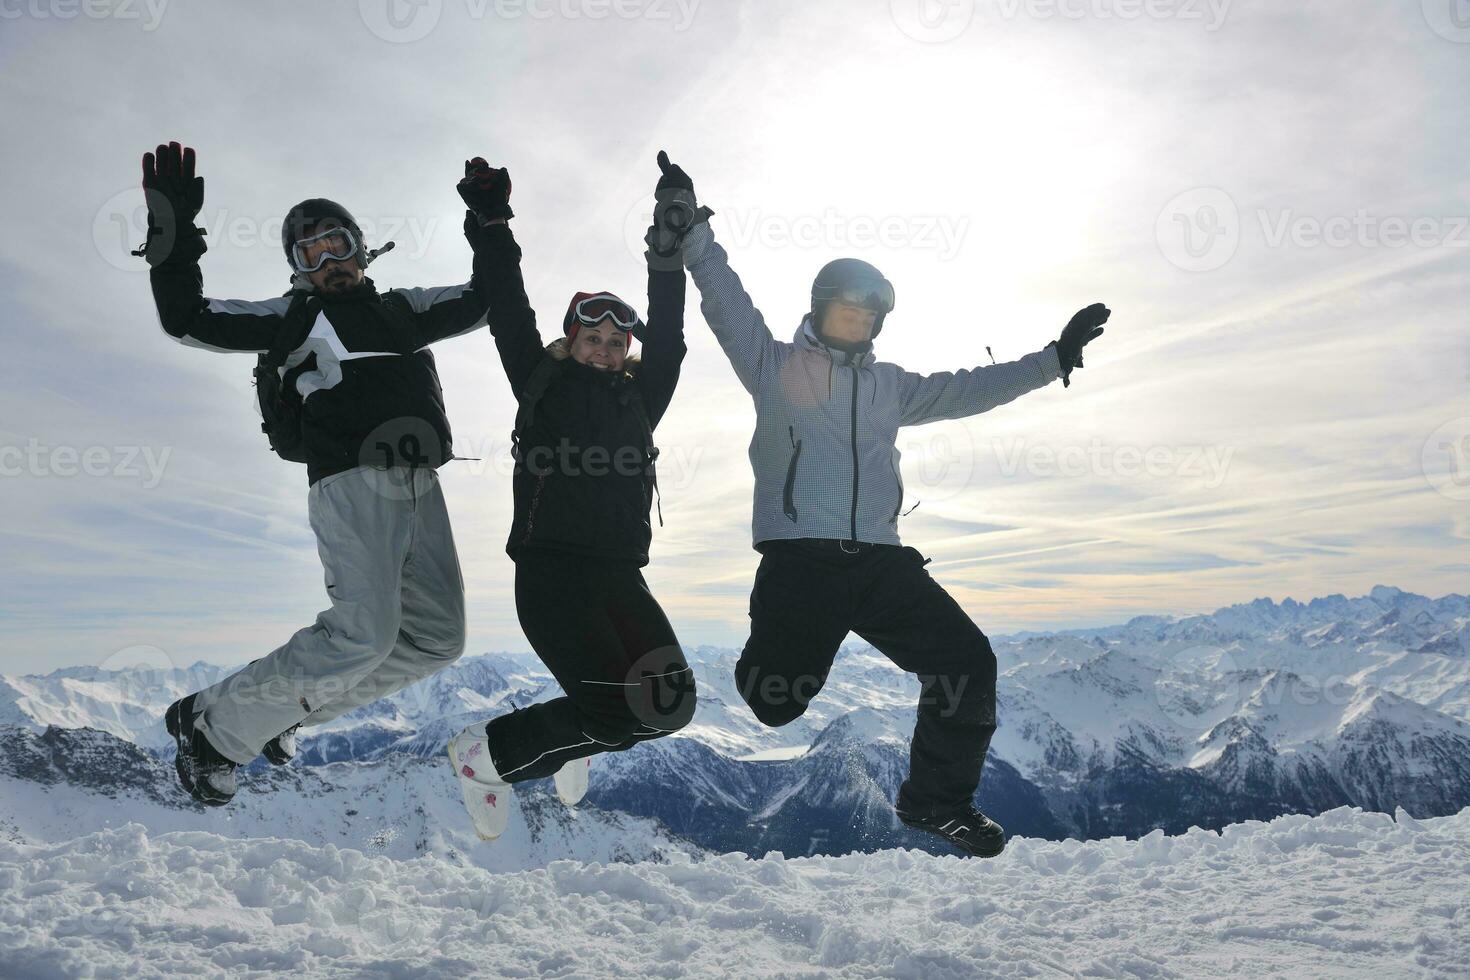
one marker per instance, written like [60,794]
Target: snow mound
[1347,893]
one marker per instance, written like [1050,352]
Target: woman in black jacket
[584,486]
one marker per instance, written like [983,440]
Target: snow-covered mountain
[1249,712]
[67,783]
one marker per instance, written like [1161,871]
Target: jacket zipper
[789,496]
[531,510]
[854,454]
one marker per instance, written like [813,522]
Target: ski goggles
[594,309]
[310,254]
[865,294]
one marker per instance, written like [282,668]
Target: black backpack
[541,377]
[275,392]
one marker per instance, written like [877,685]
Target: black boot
[208,776]
[281,749]
[968,829]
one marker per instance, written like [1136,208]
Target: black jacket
[582,483]
[371,392]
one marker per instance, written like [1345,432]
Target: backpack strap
[296,326]
[541,377]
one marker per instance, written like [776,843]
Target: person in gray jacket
[828,496]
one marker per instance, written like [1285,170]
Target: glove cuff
[183,247]
[1064,369]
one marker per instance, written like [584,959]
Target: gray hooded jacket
[825,451]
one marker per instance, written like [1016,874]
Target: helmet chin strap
[846,346]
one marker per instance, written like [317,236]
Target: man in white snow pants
[346,385]
[828,496]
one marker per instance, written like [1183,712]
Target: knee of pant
[673,703]
[776,715]
[984,660]
[775,699]
[375,632]
[451,645]
[609,728]
[773,709]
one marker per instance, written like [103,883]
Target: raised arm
[663,341]
[957,394]
[174,196]
[497,279]
[512,321]
[681,231]
[970,391]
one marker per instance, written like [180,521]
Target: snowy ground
[1344,894]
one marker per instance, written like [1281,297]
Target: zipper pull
[992,356]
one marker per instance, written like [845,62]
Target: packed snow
[1346,893]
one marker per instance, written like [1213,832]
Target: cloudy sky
[1272,198]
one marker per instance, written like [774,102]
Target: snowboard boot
[281,749]
[571,780]
[968,829]
[207,776]
[487,797]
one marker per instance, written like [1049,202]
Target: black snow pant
[604,637]
[810,593]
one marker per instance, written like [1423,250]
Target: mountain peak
[1385,593]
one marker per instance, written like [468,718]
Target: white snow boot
[571,780]
[487,797]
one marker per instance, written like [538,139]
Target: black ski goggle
[866,294]
[310,254]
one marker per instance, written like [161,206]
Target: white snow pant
[397,613]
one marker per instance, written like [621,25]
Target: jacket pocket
[788,495]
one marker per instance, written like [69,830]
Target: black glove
[174,197]
[1085,327]
[486,190]
[675,212]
